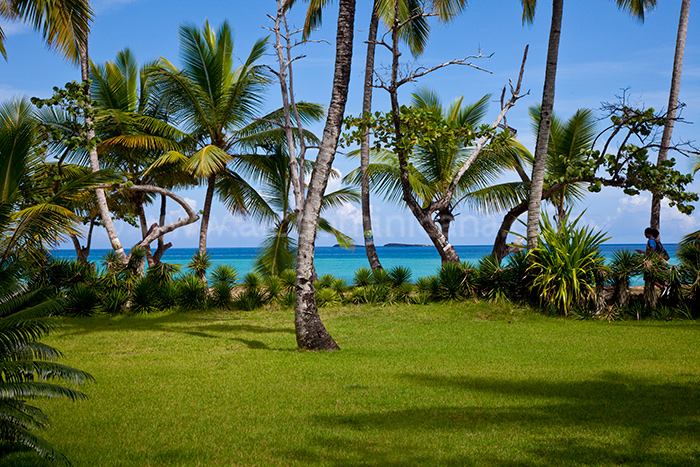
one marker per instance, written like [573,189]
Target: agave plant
[191,292]
[163,273]
[28,368]
[199,264]
[144,296]
[399,275]
[224,273]
[82,300]
[455,281]
[563,265]
[362,278]
[689,256]
[220,296]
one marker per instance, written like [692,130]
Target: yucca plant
[251,281]
[273,287]
[493,281]
[144,296]
[224,273]
[167,298]
[564,262]
[399,275]
[325,281]
[220,296]
[362,278]
[114,301]
[191,292]
[455,281]
[63,273]
[288,278]
[624,265]
[163,273]
[250,299]
[82,300]
[327,297]
[655,271]
[381,277]
[689,256]
[199,264]
[429,287]
[28,368]
[340,286]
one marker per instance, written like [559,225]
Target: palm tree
[27,367]
[569,142]
[636,8]
[434,166]
[279,248]
[215,103]
[64,24]
[134,133]
[672,104]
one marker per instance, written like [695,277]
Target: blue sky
[602,52]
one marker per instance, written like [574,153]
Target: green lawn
[463,384]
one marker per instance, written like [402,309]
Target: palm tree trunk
[500,248]
[672,104]
[95,165]
[370,250]
[311,334]
[206,212]
[540,157]
[162,246]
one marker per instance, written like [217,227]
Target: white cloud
[637,203]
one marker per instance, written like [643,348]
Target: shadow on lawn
[611,420]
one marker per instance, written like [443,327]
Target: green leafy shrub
[224,273]
[273,287]
[399,275]
[625,264]
[455,281]
[564,263]
[82,300]
[191,292]
[362,278]
[327,297]
[325,281]
[114,301]
[429,287]
[199,264]
[163,273]
[381,277]
[250,299]
[494,282]
[220,296]
[288,278]
[144,296]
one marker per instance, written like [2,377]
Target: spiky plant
[163,273]
[28,368]
[114,301]
[655,271]
[340,286]
[220,296]
[325,281]
[327,297]
[455,281]
[144,296]
[224,273]
[288,278]
[429,286]
[563,264]
[689,256]
[82,300]
[624,265]
[199,264]
[250,299]
[362,278]
[399,275]
[494,281]
[191,292]
[381,277]
[274,288]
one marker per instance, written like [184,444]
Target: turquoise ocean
[421,260]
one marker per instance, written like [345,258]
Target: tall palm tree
[672,104]
[637,8]
[64,24]
[433,166]
[215,102]
[134,133]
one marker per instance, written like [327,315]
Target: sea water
[421,260]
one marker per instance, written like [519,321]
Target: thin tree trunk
[95,165]
[370,250]
[144,231]
[500,248]
[445,249]
[542,145]
[311,334]
[206,212]
[162,246]
[672,104]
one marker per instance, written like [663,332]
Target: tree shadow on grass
[609,420]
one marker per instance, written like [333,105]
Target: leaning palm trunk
[370,250]
[542,144]
[310,332]
[672,104]
[206,213]
[95,164]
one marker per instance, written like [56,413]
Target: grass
[462,384]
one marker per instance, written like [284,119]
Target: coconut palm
[434,166]
[64,24]
[279,247]
[637,8]
[133,128]
[214,102]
